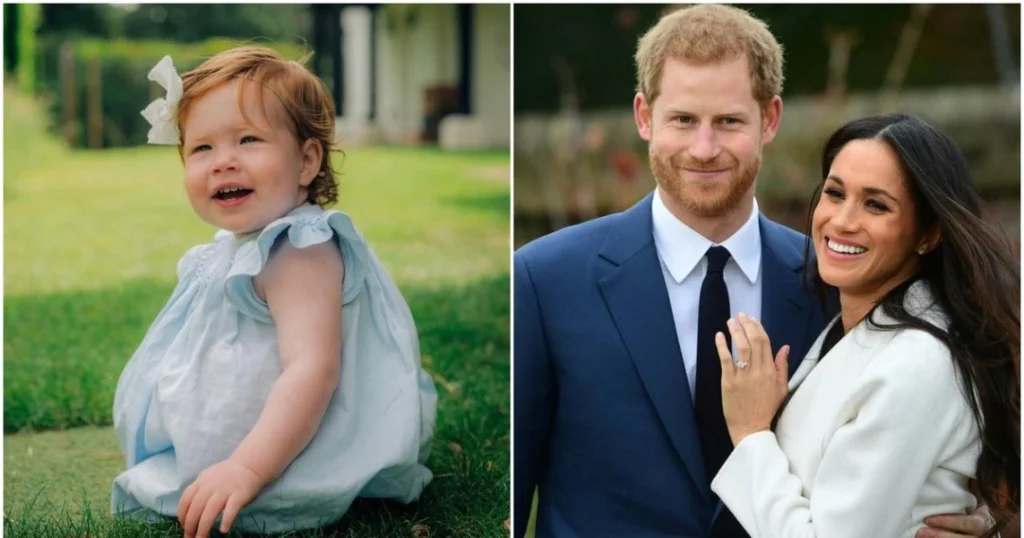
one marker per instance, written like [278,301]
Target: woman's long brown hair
[974,275]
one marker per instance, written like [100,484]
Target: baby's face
[241,176]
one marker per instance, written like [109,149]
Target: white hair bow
[162,113]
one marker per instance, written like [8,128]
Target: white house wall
[491,71]
[410,58]
[355,27]
[417,47]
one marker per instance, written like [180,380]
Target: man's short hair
[709,33]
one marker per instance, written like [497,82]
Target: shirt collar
[681,248]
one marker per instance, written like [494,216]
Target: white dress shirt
[877,437]
[683,264]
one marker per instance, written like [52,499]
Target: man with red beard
[618,420]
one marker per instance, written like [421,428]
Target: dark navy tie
[714,435]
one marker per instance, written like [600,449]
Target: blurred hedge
[28,16]
[124,88]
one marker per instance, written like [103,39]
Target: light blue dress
[198,382]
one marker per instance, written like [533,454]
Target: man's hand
[223,487]
[976,523]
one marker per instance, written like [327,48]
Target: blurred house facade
[417,74]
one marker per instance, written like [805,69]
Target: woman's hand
[754,386]
[223,487]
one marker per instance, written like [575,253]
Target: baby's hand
[223,487]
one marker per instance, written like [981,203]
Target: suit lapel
[786,307]
[634,291]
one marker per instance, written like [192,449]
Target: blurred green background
[400,73]
[93,230]
[578,156]
[84,59]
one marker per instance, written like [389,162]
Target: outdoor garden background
[578,155]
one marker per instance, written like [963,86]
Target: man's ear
[771,118]
[642,116]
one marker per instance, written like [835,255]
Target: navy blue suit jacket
[603,422]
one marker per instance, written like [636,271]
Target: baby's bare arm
[302,287]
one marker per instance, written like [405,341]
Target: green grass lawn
[91,241]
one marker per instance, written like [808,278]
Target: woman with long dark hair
[912,392]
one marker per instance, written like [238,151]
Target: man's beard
[704,198]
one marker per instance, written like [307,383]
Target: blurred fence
[574,167]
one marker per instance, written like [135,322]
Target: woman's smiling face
[865,226]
